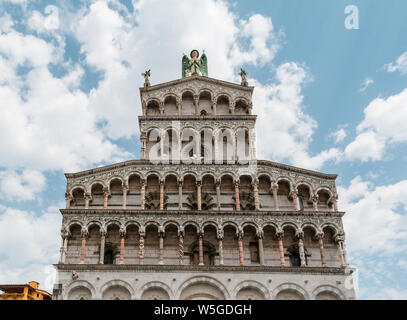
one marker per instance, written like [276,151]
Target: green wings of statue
[195,65]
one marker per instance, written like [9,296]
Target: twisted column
[218,194]
[220,236]
[142,234]
[122,233]
[274,189]
[256,194]
[260,235]
[143,194]
[280,236]
[320,237]
[239,234]
[181,246]
[237,196]
[300,236]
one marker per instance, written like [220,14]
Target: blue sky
[328,98]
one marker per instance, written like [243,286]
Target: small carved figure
[146,76]
[243,75]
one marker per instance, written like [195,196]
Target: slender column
[106,195]
[294,196]
[142,234]
[240,246]
[161,107]
[280,236]
[64,245]
[334,204]
[125,189]
[196,101]
[256,195]
[345,258]
[260,235]
[300,236]
[84,234]
[143,193]
[68,199]
[87,200]
[199,196]
[103,233]
[161,195]
[122,232]
[220,237]
[237,198]
[181,246]
[218,194]
[200,240]
[214,107]
[180,182]
[143,140]
[274,189]
[315,202]
[179,108]
[320,237]
[161,238]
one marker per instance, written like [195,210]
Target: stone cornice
[201,213]
[191,268]
[195,117]
[199,78]
[146,162]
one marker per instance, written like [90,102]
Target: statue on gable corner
[194,66]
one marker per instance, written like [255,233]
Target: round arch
[117,282]
[202,279]
[78,284]
[251,284]
[291,287]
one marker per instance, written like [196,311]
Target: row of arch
[172,191]
[199,287]
[213,145]
[206,244]
[203,103]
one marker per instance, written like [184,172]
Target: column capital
[280,234]
[122,231]
[181,232]
[319,235]
[217,183]
[103,231]
[274,186]
[198,183]
[339,238]
[239,233]
[142,232]
[236,183]
[180,182]
[293,194]
[220,235]
[315,198]
[87,196]
[200,233]
[68,196]
[161,232]
[299,234]
[260,234]
[162,182]
[125,187]
[84,232]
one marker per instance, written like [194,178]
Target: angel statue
[195,65]
[243,74]
[146,76]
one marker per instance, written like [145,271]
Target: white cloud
[339,135]
[47,23]
[125,46]
[24,186]
[375,221]
[30,238]
[399,65]
[383,125]
[366,83]
[286,130]
[32,246]
[46,122]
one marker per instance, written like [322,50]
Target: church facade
[198,216]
